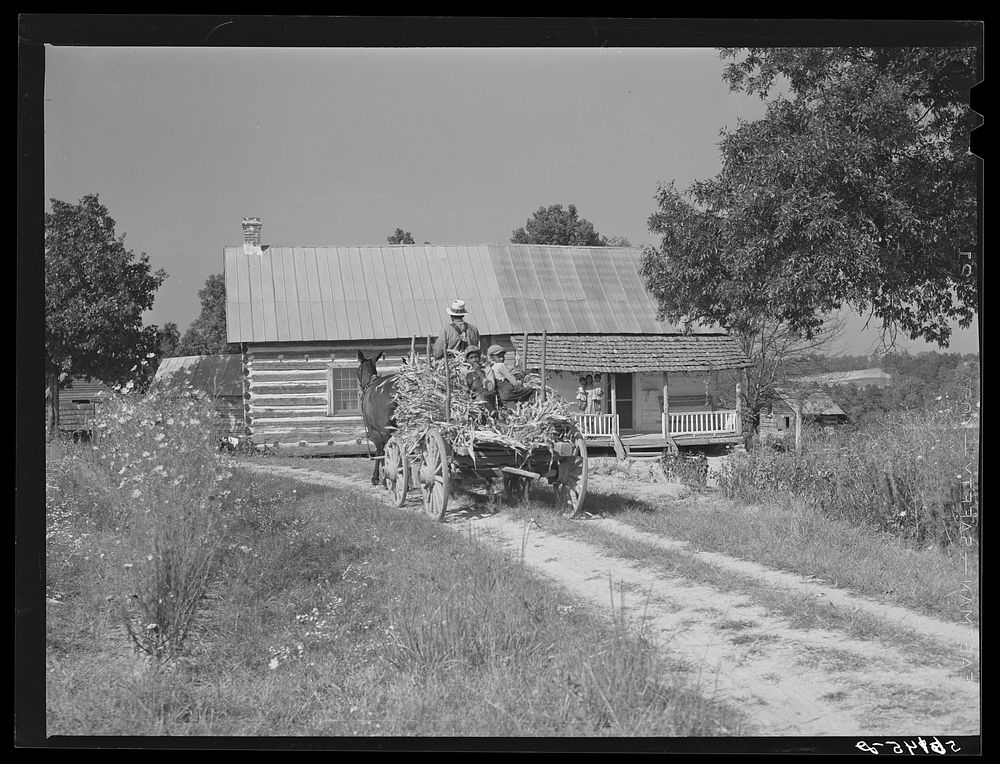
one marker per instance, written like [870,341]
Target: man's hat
[472,349]
[496,350]
[457,308]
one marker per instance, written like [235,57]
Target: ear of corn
[420,396]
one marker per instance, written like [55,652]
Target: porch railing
[697,422]
[598,425]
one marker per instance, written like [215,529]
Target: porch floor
[655,440]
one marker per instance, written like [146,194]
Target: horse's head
[366,369]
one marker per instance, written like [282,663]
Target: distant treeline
[925,380]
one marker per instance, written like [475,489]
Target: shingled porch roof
[625,353]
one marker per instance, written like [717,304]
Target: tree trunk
[53,405]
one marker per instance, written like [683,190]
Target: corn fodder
[914,474]
[421,395]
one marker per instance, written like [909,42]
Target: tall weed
[914,474]
[169,489]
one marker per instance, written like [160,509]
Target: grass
[329,614]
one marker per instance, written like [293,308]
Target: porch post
[666,407]
[739,406]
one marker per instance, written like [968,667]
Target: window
[788,421]
[343,392]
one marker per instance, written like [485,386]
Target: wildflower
[127,566]
[149,558]
[136,493]
[150,626]
[273,664]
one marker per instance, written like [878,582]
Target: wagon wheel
[396,471]
[515,489]
[433,475]
[571,481]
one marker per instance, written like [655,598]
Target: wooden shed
[220,377]
[303,313]
[79,402]
[817,408]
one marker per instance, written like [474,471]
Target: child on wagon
[508,387]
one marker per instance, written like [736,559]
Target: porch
[680,428]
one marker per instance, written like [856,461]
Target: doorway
[623,397]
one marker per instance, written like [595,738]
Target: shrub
[689,469]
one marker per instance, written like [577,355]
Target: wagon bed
[435,464]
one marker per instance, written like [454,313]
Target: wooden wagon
[435,466]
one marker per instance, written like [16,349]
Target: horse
[378,406]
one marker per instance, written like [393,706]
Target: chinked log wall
[289,401]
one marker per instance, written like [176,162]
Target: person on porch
[595,396]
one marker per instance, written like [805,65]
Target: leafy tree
[95,293]
[401,237]
[169,338]
[617,241]
[857,188]
[555,225]
[207,333]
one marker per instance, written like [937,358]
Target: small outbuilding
[79,402]
[817,408]
[220,377]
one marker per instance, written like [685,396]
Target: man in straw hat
[459,334]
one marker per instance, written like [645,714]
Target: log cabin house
[303,313]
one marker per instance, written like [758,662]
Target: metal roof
[814,402]
[289,294]
[217,375]
[634,352]
[83,388]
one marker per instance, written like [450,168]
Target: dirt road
[789,681]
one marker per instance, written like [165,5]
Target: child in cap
[508,387]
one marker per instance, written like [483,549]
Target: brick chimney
[251,235]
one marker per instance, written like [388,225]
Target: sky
[341,146]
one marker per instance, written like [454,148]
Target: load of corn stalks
[421,396]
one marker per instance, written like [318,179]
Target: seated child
[508,387]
